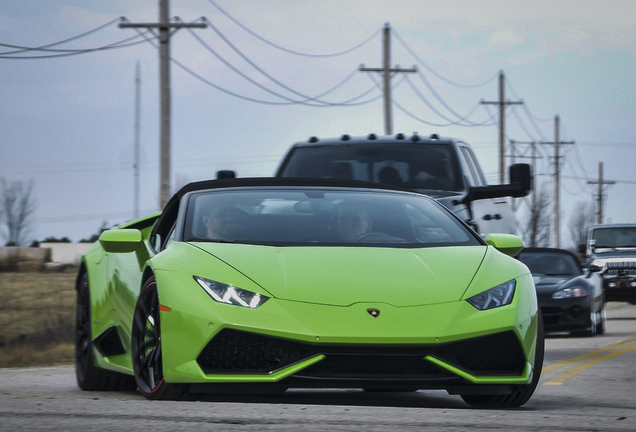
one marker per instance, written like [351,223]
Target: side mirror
[521,174]
[592,245]
[520,185]
[121,240]
[581,249]
[509,244]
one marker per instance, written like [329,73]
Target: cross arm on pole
[158,25]
[400,70]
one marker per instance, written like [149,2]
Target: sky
[265,74]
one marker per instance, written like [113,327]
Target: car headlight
[500,295]
[570,292]
[599,262]
[229,294]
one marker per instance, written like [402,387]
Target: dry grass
[37,318]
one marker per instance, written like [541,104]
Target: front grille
[233,351]
[495,354]
[620,268]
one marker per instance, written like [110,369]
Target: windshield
[315,216]
[615,237]
[550,263]
[423,166]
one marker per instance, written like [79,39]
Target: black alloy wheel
[146,348]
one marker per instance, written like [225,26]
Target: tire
[591,330]
[146,348]
[601,327]
[88,376]
[523,394]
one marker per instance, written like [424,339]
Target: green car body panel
[316,296]
[418,305]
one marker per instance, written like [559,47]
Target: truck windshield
[430,166]
[615,237]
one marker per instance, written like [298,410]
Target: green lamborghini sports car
[270,284]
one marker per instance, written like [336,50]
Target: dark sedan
[570,297]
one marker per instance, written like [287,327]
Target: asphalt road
[589,384]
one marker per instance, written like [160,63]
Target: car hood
[545,283]
[343,276]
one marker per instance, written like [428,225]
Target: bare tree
[537,232]
[16,207]
[580,220]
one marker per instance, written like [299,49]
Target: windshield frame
[618,233]
[191,232]
[549,256]
[365,161]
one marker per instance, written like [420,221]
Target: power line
[286,49]
[288,101]
[260,70]
[124,43]
[445,105]
[420,61]
[45,47]
[462,120]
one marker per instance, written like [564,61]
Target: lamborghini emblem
[374,312]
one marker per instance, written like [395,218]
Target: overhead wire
[260,70]
[289,101]
[531,116]
[256,35]
[431,70]
[45,47]
[583,188]
[522,124]
[445,105]
[450,121]
[407,112]
[124,43]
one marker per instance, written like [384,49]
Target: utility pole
[556,221]
[502,103]
[599,195]
[386,71]
[164,25]
[137,129]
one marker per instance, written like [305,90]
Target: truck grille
[620,268]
